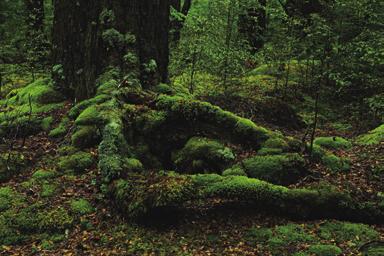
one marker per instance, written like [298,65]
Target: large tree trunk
[253,24]
[81,31]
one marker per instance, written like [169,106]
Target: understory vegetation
[255,129]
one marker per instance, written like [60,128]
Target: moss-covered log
[142,194]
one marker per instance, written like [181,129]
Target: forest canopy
[192,127]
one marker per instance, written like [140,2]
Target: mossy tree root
[141,195]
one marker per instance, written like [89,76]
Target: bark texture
[81,54]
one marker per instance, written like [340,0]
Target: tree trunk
[84,30]
[253,24]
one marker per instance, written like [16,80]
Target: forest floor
[209,229]
[86,223]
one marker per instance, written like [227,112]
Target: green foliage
[324,250]
[46,123]
[373,137]
[279,169]
[81,206]
[77,162]
[48,190]
[9,198]
[203,155]
[333,142]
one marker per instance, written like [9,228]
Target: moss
[48,190]
[133,165]
[164,89]
[86,137]
[46,123]
[41,91]
[61,130]
[56,219]
[44,174]
[259,235]
[269,151]
[78,162]
[203,155]
[80,107]
[324,250]
[81,206]
[336,163]
[279,169]
[276,143]
[90,116]
[11,164]
[198,112]
[374,251]
[333,142]
[373,137]
[9,198]
[234,171]
[345,231]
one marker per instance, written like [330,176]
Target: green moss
[86,136]
[48,190]
[197,112]
[234,171]
[80,107]
[373,137]
[335,163]
[259,235]
[345,231]
[333,142]
[78,162]
[44,174]
[56,219]
[9,198]
[11,164]
[276,143]
[81,206]
[269,151]
[203,155]
[133,165]
[46,123]
[90,116]
[61,130]
[279,169]
[324,250]
[374,251]
[41,91]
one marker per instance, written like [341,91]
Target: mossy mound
[61,129]
[44,174]
[19,224]
[27,109]
[86,136]
[330,160]
[373,137]
[278,169]
[11,164]
[333,142]
[81,206]
[77,162]
[201,155]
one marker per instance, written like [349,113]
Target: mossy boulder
[90,116]
[278,169]
[44,174]
[86,136]
[77,162]
[330,160]
[201,155]
[61,129]
[333,142]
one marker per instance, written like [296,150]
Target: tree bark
[253,24]
[82,55]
